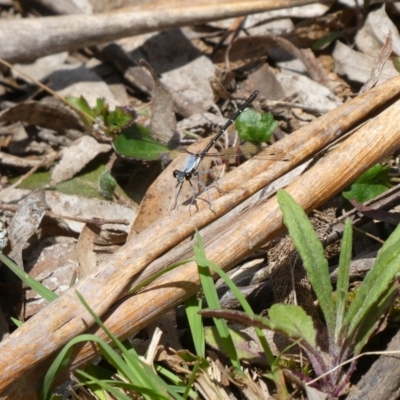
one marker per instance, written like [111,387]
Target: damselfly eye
[188,176]
[175,173]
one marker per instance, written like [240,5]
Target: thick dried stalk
[23,358]
[27,39]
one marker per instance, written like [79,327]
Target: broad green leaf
[301,329]
[376,282]
[294,322]
[311,252]
[81,103]
[255,127]
[372,318]
[38,180]
[86,184]
[135,142]
[372,183]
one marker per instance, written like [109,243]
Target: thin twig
[94,221]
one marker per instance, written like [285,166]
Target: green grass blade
[98,373]
[139,373]
[62,359]
[192,307]
[59,363]
[343,277]
[246,307]
[40,289]
[279,381]
[156,275]
[143,373]
[211,295]
[111,385]
[311,252]
[17,322]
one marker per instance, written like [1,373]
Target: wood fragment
[382,381]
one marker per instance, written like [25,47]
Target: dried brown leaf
[76,157]
[25,223]
[380,62]
[85,250]
[163,121]
[52,115]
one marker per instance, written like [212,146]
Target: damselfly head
[180,176]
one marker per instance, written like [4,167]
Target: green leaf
[17,322]
[85,184]
[311,252]
[372,318]
[294,322]
[38,180]
[287,319]
[96,372]
[118,119]
[111,386]
[372,183]
[135,142]
[376,283]
[81,103]
[343,278]
[101,106]
[110,121]
[255,127]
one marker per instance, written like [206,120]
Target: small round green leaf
[255,127]
[372,183]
